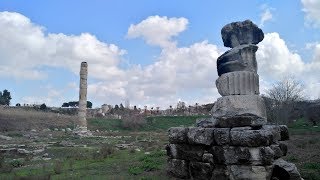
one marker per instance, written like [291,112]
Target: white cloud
[266,15]
[312,12]
[156,30]
[26,47]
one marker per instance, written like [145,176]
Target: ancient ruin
[236,142]
[81,124]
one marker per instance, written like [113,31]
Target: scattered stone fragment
[284,170]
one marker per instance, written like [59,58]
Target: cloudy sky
[153,53]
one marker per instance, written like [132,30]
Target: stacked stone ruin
[236,142]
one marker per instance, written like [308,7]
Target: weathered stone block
[242,120]
[208,158]
[238,83]
[242,155]
[178,168]
[243,172]
[277,151]
[237,33]
[240,58]
[220,172]
[275,129]
[284,148]
[200,136]
[284,170]
[222,136]
[206,122]
[185,152]
[284,132]
[251,138]
[178,135]
[199,170]
[239,105]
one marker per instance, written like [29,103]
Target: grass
[302,126]
[160,123]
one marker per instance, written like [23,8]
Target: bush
[57,167]
[106,150]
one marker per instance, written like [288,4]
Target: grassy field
[99,157]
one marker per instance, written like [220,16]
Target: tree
[65,104]
[282,98]
[5,97]
[43,106]
[18,104]
[89,104]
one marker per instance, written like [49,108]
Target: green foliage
[5,97]
[315,166]
[65,104]
[75,104]
[301,126]
[106,150]
[135,170]
[89,104]
[58,167]
[16,163]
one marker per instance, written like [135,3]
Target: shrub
[135,170]
[106,150]
[57,167]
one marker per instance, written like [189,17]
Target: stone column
[82,112]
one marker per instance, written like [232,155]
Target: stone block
[239,105]
[222,136]
[242,155]
[242,120]
[220,172]
[238,83]
[277,151]
[240,58]
[202,136]
[275,129]
[201,171]
[251,138]
[237,33]
[284,147]
[178,135]
[207,158]
[284,170]
[284,132]
[206,122]
[185,152]
[243,172]
[178,168]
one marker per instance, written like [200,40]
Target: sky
[149,52]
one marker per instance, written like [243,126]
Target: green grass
[158,123]
[301,126]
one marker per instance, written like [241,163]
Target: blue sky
[151,52]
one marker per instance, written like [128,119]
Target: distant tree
[5,97]
[18,104]
[283,96]
[135,108]
[121,107]
[43,106]
[116,107]
[74,103]
[65,104]
[89,104]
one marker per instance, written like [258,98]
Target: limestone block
[284,147]
[275,129]
[178,168]
[277,151]
[284,170]
[284,132]
[237,33]
[251,138]
[239,105]
[220,172]
[242,120]
[240,58]
[199,170]
[238,83]
[178,135]
[222,136]
[198,135]
[207,158]
[185,152]
[205,122]
[241,172]
[242,155]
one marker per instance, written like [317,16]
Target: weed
[135,170]
[292,158]
[315,166]
[106,150]
[57,167]
[16,163]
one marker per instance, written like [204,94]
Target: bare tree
[284,95]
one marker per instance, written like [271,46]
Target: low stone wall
[228,153]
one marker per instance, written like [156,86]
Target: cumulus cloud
[312,12]
[26,47]
[156,30]
[266,15]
